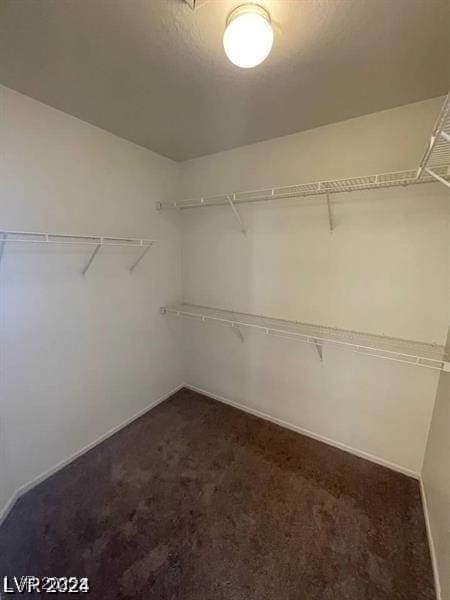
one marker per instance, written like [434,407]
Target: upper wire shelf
[33,237]
[438,151]
[331,186]
[435,166]
[421,354]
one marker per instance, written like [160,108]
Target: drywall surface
[390,140]
[382,270]
[436,475]
[79,355]
[436,479]
[6,490]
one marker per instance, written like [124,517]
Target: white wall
[383,270]
[436,474]
[79,355]
[5,486]
[390,140]
[436,479]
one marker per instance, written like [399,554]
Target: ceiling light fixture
[248,36]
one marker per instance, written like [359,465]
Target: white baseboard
[437,583]
[8,507]
[307,432]
[28,486]
[31,484]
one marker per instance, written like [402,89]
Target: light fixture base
[249,7]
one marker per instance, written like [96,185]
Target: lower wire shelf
[432,356]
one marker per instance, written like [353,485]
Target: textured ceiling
[154,71]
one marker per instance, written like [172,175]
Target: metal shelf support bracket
[319,349]
[238,332]
[91,259]
[438,177]
[140,257]
[231,201]
[330,213]
[2,246]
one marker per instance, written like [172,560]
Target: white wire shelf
[33,237]
[438,151]
[302,190]
[435,165]
[421,354]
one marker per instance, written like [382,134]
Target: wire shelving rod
[317,188]
[34,237]
[435,166]
[432,356]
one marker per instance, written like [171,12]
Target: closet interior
[216,382]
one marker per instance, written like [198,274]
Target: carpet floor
[199,501]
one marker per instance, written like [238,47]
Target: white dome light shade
[248,36]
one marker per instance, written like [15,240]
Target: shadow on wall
[436,479]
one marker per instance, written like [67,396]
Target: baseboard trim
[361,454]
[307,432]
[31,484]
[7,508]
[437,583]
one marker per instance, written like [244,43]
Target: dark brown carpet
[199,501]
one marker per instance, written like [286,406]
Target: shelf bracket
[2,246]
[438,177]
[330,213]
[140,257]
[231,202]
[319,349]
[91,259]
[238,332]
